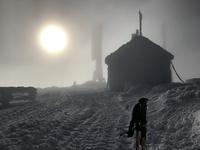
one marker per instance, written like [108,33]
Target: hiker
[138,122]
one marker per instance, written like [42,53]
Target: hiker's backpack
[136,114]
[139,114]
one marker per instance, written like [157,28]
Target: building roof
[138,47]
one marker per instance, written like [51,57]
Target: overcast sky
[24,63]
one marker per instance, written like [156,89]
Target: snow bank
[175,120]
[173,115]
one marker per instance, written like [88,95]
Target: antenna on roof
[140,19]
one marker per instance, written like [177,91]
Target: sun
[53,38]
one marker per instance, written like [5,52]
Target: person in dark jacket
[138,122]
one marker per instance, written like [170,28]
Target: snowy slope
[173,116]
[63,119]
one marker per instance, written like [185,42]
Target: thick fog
[24,63]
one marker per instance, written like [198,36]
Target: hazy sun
[53,39]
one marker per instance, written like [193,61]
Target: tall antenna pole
[140,19]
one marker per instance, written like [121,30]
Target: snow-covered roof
[138,47]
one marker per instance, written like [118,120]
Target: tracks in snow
[62,120]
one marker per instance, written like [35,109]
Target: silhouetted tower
[97,52]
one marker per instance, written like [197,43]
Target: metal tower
[97,52]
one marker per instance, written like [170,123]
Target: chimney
[135,34]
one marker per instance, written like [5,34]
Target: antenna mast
[140,20]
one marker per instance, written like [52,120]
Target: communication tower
[97,52]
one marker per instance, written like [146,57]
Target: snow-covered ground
[64,119]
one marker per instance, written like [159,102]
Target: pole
[140,20]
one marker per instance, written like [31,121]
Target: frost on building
[140,61]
